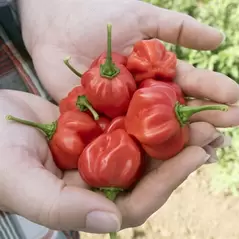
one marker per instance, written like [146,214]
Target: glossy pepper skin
[116,123]
[155,116]
[116,57]
[76,99]
[110,86]
[112,160]
[103,122]
[169,148]
[68,136]
[73,102]
[150,59]
[176,88]
[69,102]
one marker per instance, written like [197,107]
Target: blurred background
[206,206]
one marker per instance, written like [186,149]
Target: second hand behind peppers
[67,137]
[155,116]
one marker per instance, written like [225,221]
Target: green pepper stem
[83,104]
[109,69]
[67,63]
[111,194]
[113,235]
[47,129]
[185,112]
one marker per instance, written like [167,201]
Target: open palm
[77,28]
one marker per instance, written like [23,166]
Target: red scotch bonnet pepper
[67,136]
[150,59]
[155,117]
[111,163]
[76,100]
[109,86]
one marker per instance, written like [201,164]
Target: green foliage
[224,15]
[225,176]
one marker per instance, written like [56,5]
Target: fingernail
[217,141]
[221,142]
[227,141]
[207,157]
[224,38]
[102,222]
[211,160]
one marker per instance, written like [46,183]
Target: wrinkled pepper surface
[176,88]
[111,163]
[150,59]
[155,116]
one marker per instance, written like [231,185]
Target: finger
[203,133]
[177,28]
[216,117]
[45,199]
[211,151]
[45,110]
[222,142]
[153,191]
[200,83]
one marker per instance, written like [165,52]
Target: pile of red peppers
[126,108]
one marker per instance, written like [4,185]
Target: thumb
[159,184]
[176,28]
[38,195]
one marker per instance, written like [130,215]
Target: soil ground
[192,212]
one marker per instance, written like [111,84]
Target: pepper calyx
[111,193]
[83,104]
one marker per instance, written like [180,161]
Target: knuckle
[186,78]
[137,220]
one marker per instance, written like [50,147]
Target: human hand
[32,186]
[65,29]
[77,28]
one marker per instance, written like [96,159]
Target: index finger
[177,28]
